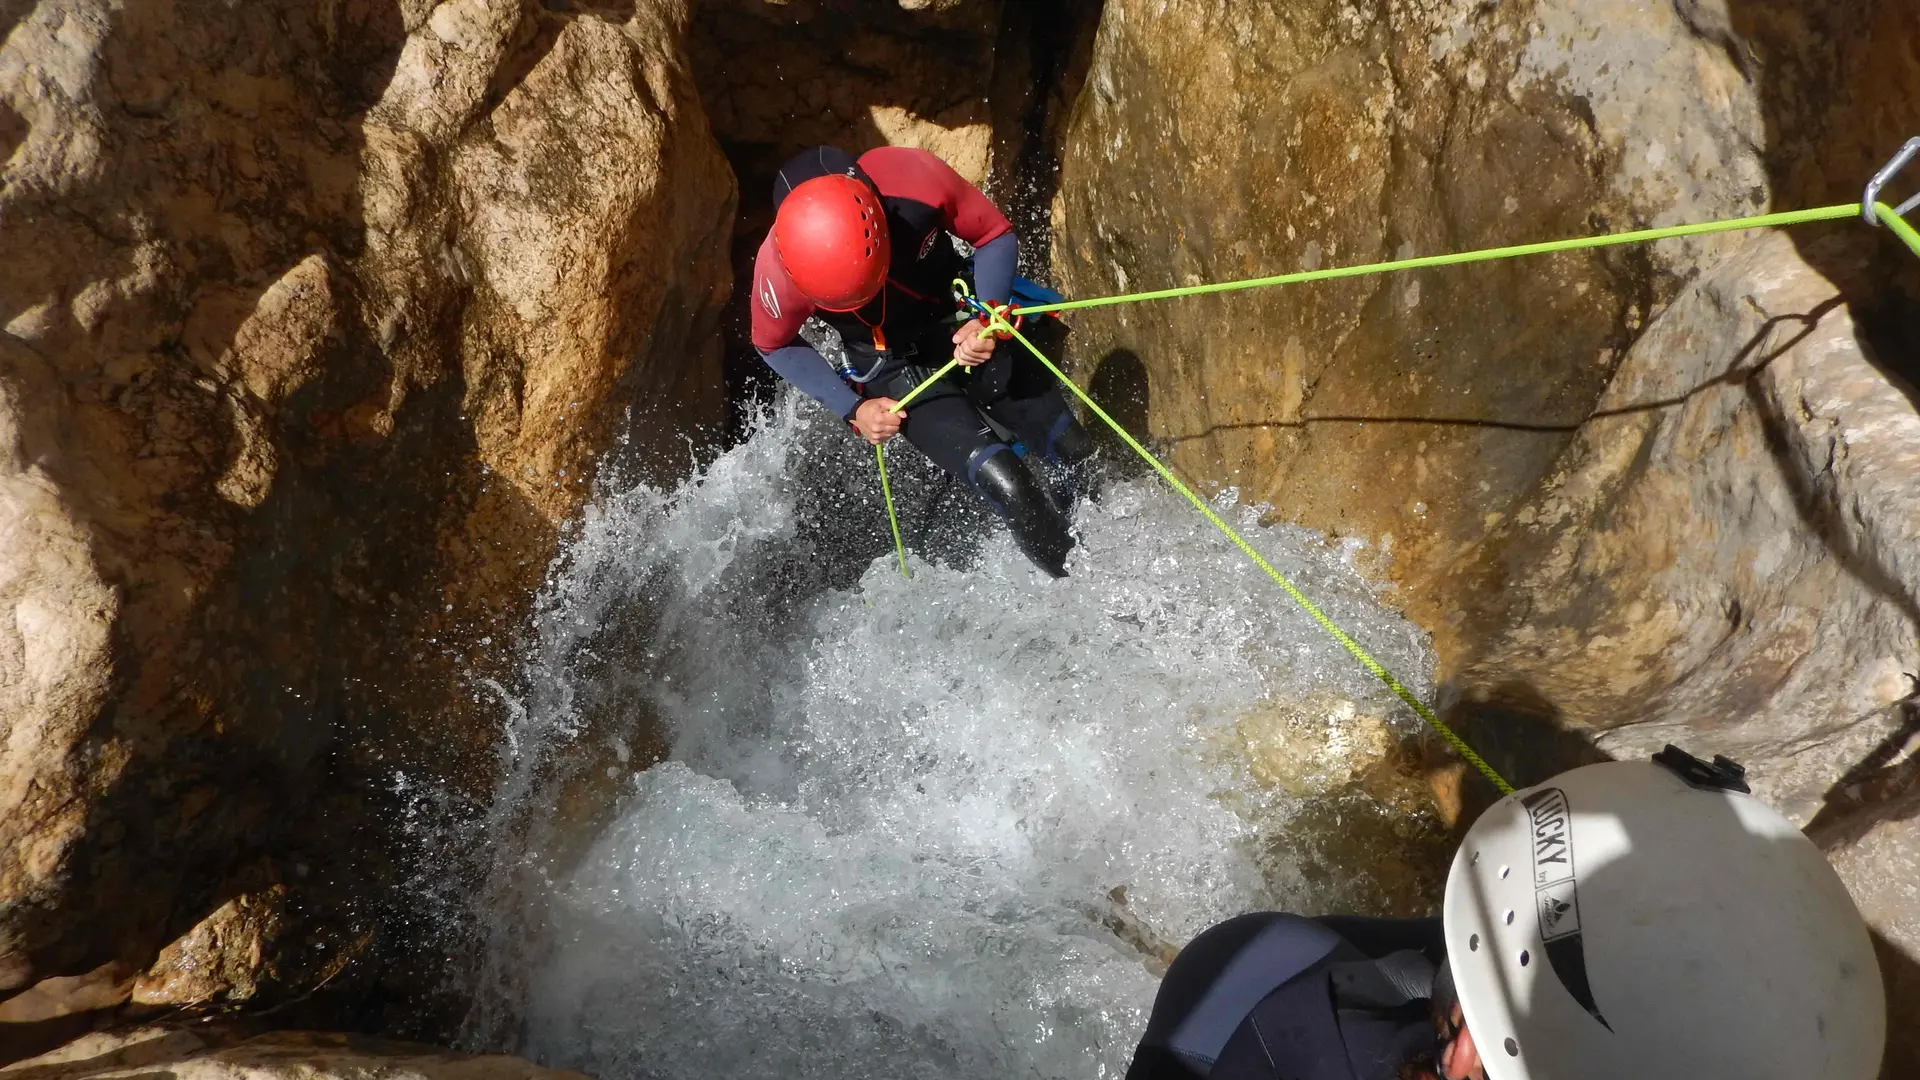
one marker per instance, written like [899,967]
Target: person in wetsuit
[1273,995]
[1646,919]
[862,244]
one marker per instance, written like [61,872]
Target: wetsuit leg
[1028,400]
[948,429]
[1010,488]
[945,425]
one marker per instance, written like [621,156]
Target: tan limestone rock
[780,77]
[1329,134]
[1649,495]
[1717,558]
[222,959]
[317,322]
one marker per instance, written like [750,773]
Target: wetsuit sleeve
[993,268]
[805,368]
[779,307]
[1219,979]
[905,173]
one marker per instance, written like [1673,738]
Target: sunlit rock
[319,321]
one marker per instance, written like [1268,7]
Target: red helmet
[831,233]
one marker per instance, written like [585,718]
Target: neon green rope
[880,456]
[1900,228]
[1763,221]
[915,392]
[997,322]
[1366,659]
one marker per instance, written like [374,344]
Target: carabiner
[1886,173]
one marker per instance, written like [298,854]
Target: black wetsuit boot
[1037,526]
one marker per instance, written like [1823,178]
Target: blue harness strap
[1028,294]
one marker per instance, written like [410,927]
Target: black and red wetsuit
[906,332]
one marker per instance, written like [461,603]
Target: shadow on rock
[1836,86]
[1517,730]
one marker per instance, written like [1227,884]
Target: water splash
[951,824]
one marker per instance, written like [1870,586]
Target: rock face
[1330,134]
[281,1055]
[1648,495]
[777,78]
[1723,556]
[316,319]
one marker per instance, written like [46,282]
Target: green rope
[959,289]
[931,379]
[1900,228]
[1366,659]
[1763,221]
[880,456]
[998,323]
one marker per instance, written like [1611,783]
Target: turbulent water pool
[772,810]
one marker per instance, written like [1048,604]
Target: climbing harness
[963,295]
[997,322]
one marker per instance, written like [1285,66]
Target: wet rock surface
[777,78]
[1331,135]
[318,324]
[213,1053]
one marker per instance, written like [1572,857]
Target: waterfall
[769,809]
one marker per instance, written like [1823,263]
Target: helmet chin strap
[877,329]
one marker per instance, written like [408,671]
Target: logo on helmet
[1559,911]
[768,298]
[1556,895]
[1552,851]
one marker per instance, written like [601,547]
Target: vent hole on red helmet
[1473,942]
[1509,918]
[1525,958]
[1513,1048]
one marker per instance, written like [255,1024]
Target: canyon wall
[1639,495]
[319,321]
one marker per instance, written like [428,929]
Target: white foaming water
[905,827]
